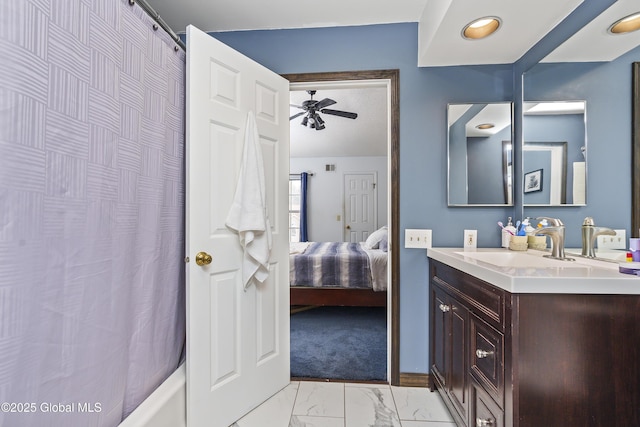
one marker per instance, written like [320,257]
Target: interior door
[237,340]
[360,206]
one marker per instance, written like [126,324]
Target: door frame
[393,78]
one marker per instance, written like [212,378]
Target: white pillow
[373,241]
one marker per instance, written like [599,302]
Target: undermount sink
[519,259]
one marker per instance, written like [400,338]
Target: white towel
[248,214]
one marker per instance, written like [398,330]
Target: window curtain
[304,231]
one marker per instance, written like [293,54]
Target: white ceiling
[498,114]
[440,42]
[364,136]
[593,43]
[440,24]
[232,15]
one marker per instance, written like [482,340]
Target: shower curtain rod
[154,15]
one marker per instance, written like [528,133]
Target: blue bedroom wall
[424,95]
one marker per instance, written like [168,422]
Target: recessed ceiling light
[481,28]
[626,25]
[484,126]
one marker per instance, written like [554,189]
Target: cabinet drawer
[484,411]
[480,297]
[487,357]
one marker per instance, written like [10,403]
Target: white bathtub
[165,407]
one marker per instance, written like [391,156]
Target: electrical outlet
[417,238]
[619,241]
[470,239]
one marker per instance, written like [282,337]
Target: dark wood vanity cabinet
[530,360]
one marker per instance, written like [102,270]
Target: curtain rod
[298,174]
[154,15]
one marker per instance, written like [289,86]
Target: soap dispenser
[508,231]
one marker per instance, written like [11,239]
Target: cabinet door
[458,380]
[441,313]
[449,348]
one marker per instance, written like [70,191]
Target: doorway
[390,80]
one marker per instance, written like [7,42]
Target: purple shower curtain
[91,210]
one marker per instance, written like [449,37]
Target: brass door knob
[203,258]
[348,227]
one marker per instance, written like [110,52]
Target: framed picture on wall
[533,181]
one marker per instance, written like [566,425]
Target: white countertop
[539,274]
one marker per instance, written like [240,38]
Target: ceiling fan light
[304,121]
[626,25]
[481,28]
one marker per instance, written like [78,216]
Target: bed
[340,273]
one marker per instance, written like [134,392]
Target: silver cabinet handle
[481,354]
[444,308]
[482,423]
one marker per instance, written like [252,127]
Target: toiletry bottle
[528,229]
[508,231]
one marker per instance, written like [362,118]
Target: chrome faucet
[555,230]
[589,234]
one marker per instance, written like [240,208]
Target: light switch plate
[619,241]
[470,239]
[417,238]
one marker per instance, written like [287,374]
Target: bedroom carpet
[341,343]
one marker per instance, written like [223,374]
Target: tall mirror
[554,155]
[479,154]
[596,65]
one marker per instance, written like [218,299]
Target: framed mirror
[635,151]
[479,154]
[555,144]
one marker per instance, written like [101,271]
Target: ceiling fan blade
[344,114]
[324,103]
[296,106]
[297,115]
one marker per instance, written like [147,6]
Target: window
[294,209]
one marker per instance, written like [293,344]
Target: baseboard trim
[409,379]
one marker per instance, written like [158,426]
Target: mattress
[337,264]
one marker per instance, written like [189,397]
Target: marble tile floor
[332,404]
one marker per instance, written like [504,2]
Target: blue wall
[424,95]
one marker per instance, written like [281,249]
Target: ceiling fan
[311,109]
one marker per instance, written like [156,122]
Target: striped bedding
[324,264]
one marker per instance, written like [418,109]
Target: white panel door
[237,340]
[360,206]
